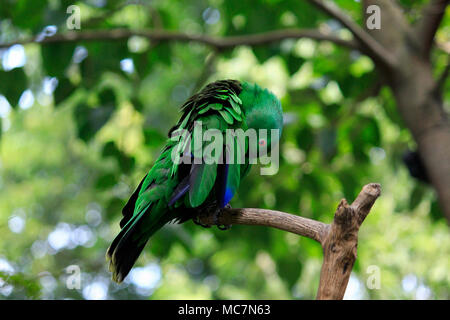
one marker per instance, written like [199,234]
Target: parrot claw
[217,214]
[196,220]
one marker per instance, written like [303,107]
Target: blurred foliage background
[81,123]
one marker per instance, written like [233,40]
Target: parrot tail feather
[128,245]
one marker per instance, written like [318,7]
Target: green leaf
[153,137]
[265,53]
[29,284]
[27,14]
[90,120]
[436,211]
[107,97]
[102,57]
[293,63]
[305,138]
[126,163]
[12,84]
[56,57]
[64,89]
[137,104]
[349,183]
[416,196]
[161,53]
[141,63]
[106,181]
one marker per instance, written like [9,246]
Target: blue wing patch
[227,196]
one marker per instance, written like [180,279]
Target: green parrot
[175,190]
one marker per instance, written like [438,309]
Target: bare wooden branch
[432,15]
[370,46]
[219,43]
[339,240]
[312,229]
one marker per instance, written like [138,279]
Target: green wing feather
[202,183]
[219,107]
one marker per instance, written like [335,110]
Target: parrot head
[263,113]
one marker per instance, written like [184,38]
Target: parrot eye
[262,142]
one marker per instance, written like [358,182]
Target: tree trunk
[421,107]
[418,97]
